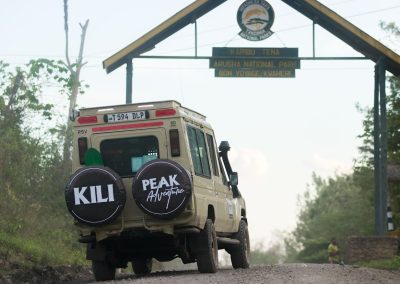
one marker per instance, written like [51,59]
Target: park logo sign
[255,19]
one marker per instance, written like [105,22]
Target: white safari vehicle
[149,182]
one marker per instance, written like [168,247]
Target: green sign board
[255,63]
[251,73]
[239,62]
[255,52]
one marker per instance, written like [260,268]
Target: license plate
[126,116]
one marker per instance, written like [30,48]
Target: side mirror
[233,179]
[74,114]
[224,146]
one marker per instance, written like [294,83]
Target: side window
[211,148]
[198,151]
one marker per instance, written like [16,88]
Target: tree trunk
[75,70]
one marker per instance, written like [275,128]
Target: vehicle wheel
[207,258]
[240,254]
[102,270]
[142,266]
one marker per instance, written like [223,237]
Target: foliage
[291,247]
[337,207]
[18,95]
[390,264]
[393,118]
[32,175]
[272,255]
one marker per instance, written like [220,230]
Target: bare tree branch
[66,35]
[75,70]
[83,36]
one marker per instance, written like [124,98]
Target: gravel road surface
[285,273]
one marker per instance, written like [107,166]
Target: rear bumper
[170,227]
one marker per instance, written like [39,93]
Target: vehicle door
[202,177]
[125,152]
[224,194]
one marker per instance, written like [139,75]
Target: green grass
[27,252]
[388,264]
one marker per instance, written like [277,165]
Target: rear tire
[142,266]
[207,258]
[102,270]
[240,254]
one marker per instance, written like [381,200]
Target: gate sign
[255,52]
[251,73]
[255,63]
[255,18]
[243,62]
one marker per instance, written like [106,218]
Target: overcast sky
[280,130]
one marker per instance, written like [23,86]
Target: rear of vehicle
[138,191]
[123,139]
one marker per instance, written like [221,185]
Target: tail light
[174,142]
[165,112]
[87,119]
[82,146]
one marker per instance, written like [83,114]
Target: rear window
[127,155]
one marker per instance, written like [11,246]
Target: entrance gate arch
[385,60]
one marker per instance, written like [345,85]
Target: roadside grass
[387,264]
[19,251]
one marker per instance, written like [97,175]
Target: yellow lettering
[226,64]
[271,52]
[245,52]
[287,64]
[225,73]
[277,73]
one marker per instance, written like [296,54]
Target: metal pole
[377,146]
[129,74]
[384,146]
[195,38]
[313,37]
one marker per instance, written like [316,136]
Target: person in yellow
[333,251]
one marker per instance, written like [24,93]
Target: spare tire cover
[162,188]
[95,195]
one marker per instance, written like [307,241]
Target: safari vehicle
[149,182]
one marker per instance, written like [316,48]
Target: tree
[334,207]
[75,85]
[20,110]
[393,120]
[31,175]
[272,255]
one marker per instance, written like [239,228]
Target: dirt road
[285,273]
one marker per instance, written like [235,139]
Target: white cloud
[251,164]
[327,166]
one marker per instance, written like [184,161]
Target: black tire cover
[95,195]
[162,188]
